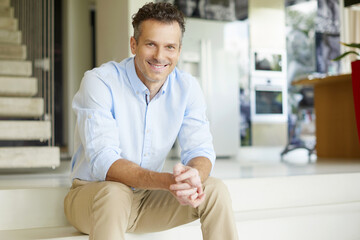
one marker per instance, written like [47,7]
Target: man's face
[157,50]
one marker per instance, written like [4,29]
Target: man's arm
[131,174]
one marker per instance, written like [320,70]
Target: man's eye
[171,47]
[150,44]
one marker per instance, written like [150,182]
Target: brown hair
[162,11]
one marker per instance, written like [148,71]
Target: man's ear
[133,45]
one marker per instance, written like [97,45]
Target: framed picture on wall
[221,10]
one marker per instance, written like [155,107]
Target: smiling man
[128,117]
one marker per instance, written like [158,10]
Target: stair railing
[36,22]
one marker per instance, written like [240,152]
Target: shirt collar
[137,85]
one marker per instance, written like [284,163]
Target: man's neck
[154,87]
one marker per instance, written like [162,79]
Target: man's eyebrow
[172,44]
[169,43]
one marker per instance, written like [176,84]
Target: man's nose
[159,54]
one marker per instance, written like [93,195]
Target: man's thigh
[87,200]
[158,210]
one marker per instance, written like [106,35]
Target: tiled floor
[250,163]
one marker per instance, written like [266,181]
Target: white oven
[268,100]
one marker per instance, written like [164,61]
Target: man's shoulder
[184,79]
[109,70]
[187,83]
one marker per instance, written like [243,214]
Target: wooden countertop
[321,80]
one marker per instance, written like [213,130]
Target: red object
[355,76]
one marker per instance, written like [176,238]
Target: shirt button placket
[147,137]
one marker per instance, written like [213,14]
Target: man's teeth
[158,66]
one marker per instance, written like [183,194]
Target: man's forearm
[133,175]
[203,165]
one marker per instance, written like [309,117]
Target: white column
[76,57]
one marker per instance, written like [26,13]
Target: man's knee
[215,185]
[216,190]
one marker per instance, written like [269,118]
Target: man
[128,117]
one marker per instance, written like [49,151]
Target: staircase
[25,124]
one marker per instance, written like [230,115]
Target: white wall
[111,30]
[114,28]
[349,33]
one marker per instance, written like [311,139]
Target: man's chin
[155,80]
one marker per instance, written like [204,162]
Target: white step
[4,3]
[25,130]
[294,191]
[21,107]
[7,36]
[7,12]
[18,86]
[8,23]
[325,222]
[15,68]
[320,223]
[12,51]
[58,233]
[38,206]
[29,157]
[188,232]
[310,207]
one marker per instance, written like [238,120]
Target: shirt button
[145,155]
[147,131]
[89,116]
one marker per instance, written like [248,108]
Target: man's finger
[194,196]
[180,186]
[178,169]
[187,192]
[191,202]
[199,200]
[186,175]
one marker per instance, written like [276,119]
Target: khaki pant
[106,210]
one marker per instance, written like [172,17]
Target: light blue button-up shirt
[115,119]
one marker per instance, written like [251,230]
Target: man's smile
[157,67]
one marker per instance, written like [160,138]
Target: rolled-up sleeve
[194,137]
[97,128]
